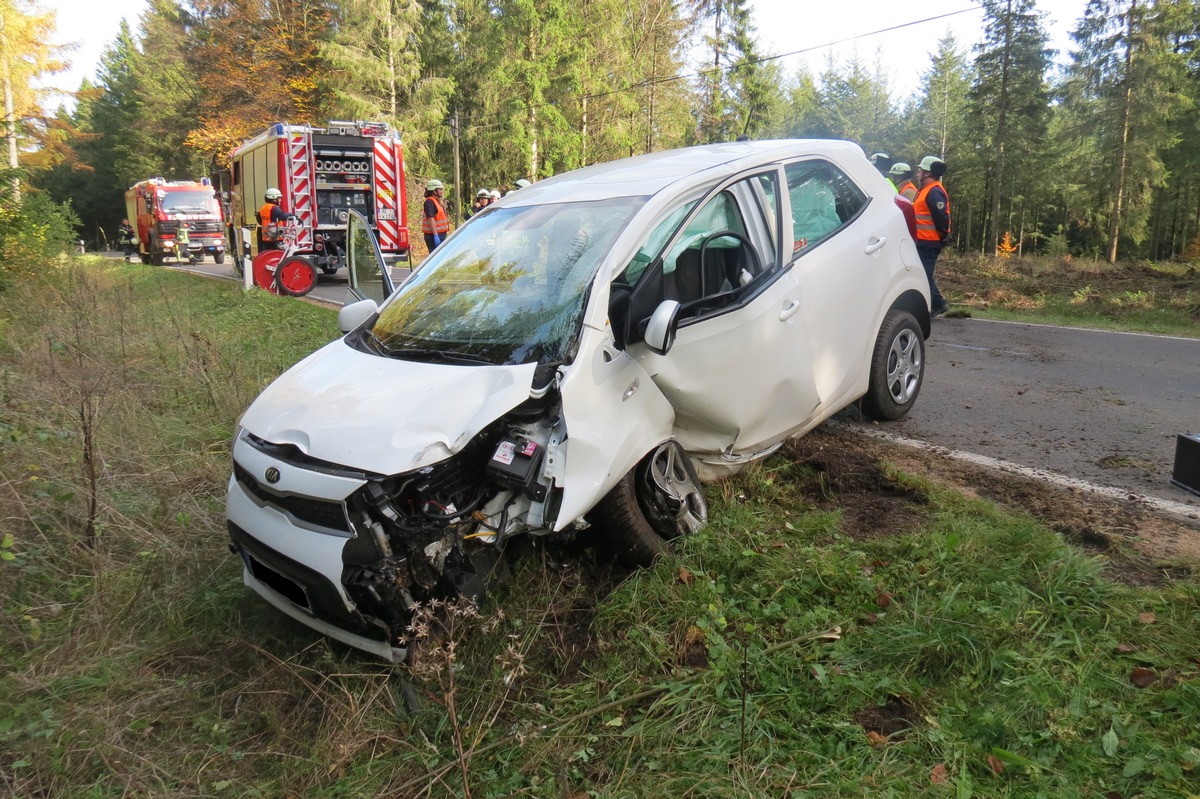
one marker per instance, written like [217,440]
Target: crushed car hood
[383,415]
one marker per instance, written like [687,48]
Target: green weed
[951,649]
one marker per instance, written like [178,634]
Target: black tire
[656,502]
[219,257]
[145,258]
[158,258]
[897,368]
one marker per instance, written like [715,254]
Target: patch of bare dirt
[887,720]
[1141,546]
[872,503]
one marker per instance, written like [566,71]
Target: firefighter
[127,238]
[902,176]
[883,162]
[182,240]
[271,219]
[932,208]
[483,198]
[521,183]
[435,225]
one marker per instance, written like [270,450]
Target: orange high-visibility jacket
[926,231]
[270,230]
[439,223]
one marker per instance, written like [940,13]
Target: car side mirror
[661,329]
[354,314]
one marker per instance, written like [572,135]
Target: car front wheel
[656,502]
[897,367]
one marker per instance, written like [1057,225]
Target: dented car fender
[614,415]
[391,416]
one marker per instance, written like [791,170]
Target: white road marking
[1087,329]
[1167,506]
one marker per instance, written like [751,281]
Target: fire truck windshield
[189,202]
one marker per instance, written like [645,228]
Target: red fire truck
[322,173]
[157,207]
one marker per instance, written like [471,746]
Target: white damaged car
[574,358]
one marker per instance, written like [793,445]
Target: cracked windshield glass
[509,288]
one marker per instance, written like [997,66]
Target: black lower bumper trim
[302,586]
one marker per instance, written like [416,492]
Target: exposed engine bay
[437,532]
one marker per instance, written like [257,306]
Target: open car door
[370,276]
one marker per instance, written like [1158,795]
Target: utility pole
[458,191]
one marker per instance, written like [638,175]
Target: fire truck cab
[156,207]
[322,173]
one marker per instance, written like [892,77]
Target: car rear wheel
[656,502]
[897,367]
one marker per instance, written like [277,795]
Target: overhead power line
[743,63]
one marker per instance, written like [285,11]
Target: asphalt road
[1098,406]
[1102,407]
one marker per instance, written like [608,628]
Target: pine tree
[855,104]
[754,95]
[1009,100]
[935,124]
[371,60]
[801,117]
[1124,89]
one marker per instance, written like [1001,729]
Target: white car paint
[383,415]
[777,338]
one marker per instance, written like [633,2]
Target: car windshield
[507,289]
[189,202]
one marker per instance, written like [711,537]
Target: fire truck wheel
[145,257]
[219,257]
[263,269]
[296,276]
[158,259]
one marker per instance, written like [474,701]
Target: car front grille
[318,512]
[193,227]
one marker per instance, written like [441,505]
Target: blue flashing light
[276,129]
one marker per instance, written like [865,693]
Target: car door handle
[789,310]
[875,244]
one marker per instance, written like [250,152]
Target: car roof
[645,175]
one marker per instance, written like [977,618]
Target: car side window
[823,199]
[725,250]
[653,245]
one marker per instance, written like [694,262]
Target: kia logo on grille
[273,475]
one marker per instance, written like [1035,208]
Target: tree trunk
[10,116]
[1118,205]
[1001,131]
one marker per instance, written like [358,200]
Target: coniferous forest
[1097,158]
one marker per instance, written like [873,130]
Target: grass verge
[797,647]
[1142,297]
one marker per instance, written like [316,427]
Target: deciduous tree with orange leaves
[253,62]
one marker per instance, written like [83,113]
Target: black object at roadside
[1187,462]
